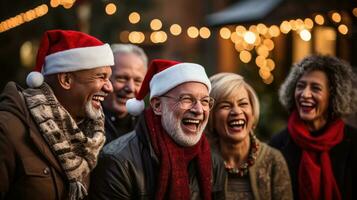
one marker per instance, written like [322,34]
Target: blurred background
[259,39]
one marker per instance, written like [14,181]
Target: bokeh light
[110,8]
[175,29]
[134,17]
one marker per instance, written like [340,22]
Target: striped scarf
[76,147]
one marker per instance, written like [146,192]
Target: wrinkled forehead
[195,89]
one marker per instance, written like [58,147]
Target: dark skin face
[83,91]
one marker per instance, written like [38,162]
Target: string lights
[258,38]
[33,14]
[67,4]
[24,17]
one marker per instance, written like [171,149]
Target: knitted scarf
[316,179]
[173,178]
[75,147]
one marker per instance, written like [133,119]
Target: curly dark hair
[343,98]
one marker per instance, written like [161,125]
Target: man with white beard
[167,156]
[52,132]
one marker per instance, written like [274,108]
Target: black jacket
[128,168]
[343,160]
[115,127]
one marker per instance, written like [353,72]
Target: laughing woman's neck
[235,152]
[316,125]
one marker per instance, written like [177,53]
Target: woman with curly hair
[246,168]
[320,149]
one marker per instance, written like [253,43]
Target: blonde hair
[225,84]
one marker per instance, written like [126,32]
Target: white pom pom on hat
[34,79]
[134,106]
[68,51]
[162,76]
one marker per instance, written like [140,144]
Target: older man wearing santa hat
[167,156]
[52,132]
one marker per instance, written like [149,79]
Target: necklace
[242,170]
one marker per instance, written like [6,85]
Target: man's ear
[65,80]
[156,105]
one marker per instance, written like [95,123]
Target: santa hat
[68,51]
[162,76]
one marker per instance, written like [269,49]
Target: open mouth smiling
[96,99]
[237,124]
[191,124]
[306,106]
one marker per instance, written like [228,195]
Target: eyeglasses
[188,101]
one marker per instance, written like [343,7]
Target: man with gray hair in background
[128,73]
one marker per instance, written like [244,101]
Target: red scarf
[316,179]
[173,179]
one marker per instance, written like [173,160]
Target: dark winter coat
[343,160]
[128,168]
[115,127]
[28,169]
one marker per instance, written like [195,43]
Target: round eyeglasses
[188,101]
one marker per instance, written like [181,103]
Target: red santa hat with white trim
[68,51]
[164,75]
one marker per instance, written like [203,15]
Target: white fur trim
[78,59]
[134,106]
[180,73]
[34,79]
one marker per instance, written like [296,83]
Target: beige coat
[269,176]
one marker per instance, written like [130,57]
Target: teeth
[237,122]
[306,104]
[98,98]
[191,121]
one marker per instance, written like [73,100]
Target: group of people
[195,140]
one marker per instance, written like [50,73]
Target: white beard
[91,112]
[172,126]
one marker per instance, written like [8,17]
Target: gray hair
[130,48]
[223,85]
[341,79]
